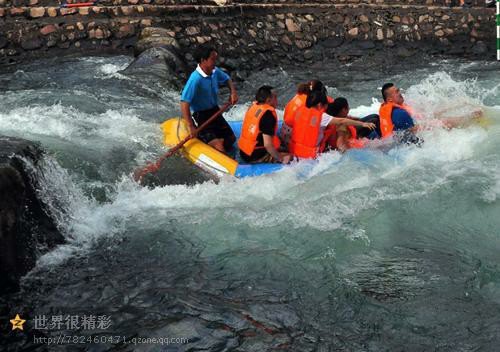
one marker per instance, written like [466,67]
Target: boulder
[26,229]
[161,62]
[31,43]
[155,37]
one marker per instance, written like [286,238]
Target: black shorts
[217,129]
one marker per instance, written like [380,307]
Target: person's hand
[369,125]
[192,131]
[477,114]
[286,159]
[234,97]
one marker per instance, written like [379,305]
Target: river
[394,251]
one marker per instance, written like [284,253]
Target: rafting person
[259,142]
[199,97]
[308,134]
[346,136]
[396,116]
[291,108]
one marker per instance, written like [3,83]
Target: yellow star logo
[17,323]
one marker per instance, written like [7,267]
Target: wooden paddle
[155,166]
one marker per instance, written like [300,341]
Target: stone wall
[254,34]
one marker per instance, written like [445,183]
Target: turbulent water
[369,251]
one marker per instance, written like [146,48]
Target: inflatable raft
[210,159]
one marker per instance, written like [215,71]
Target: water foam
[71,124]
[325,195]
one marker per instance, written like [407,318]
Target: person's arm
[187,96]
[224,78]
[342,121]
[186,115]
[234,93]
[269,145]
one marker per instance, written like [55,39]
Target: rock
[99,33]
[423,18]
[252,33]
[303,44]
[366,45]
[364,18]
[3,42]
[153,37]
[353,32]
[286,40]
[161,62]
[291,26]
[68,11]
[439,33]
[64,45]
[396,19]
[125,31]
[332,42]
[380,34]
[127,10]
[31,43]
[83,11]
[146,23]
[25,228]
[310,18]
[2,12]
[480,48]
[192,30]
[50,28]
[16,11]
[308,54]
[403,52]
[52,11]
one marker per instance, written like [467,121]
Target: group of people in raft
[313,121]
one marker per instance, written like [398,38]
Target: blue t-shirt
[401,120]
[201,92]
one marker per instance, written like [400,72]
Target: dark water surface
[394,251]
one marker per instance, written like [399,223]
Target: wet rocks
[154,37]
[274,33]
[160,62]
[25,228]
[31,43]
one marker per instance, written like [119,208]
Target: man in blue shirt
[199,97]
[402,122]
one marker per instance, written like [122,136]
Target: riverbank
[250,36]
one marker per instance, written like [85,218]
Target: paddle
[155,166]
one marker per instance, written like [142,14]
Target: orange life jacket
[330,137]
[306,129]
[385,113]
[250,129]
[291,108]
